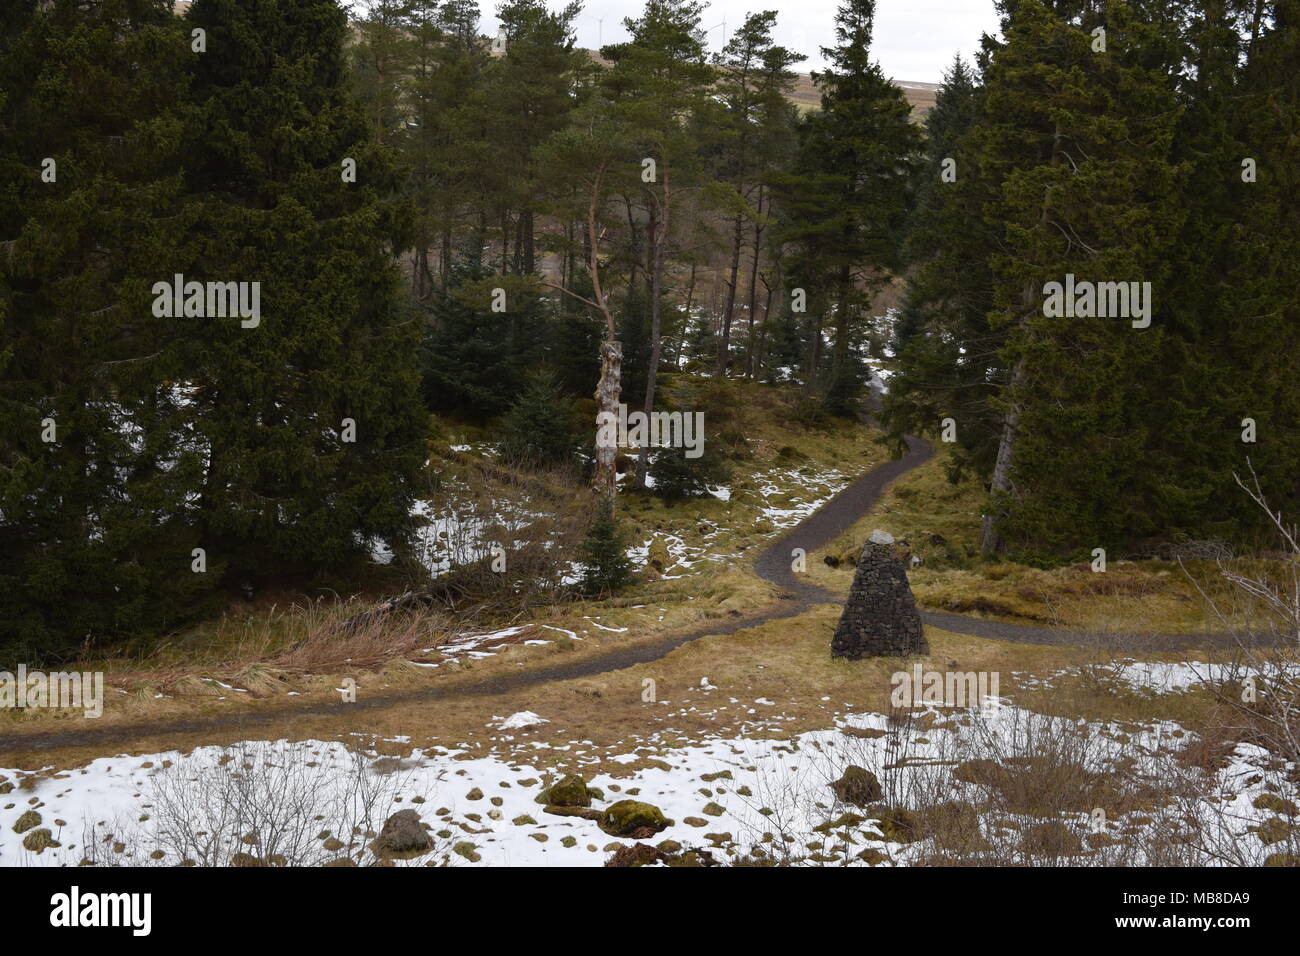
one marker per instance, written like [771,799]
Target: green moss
[628,816]
[572,791]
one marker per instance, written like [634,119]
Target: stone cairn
[880,617]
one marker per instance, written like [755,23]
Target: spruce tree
[946,356]
[1079,139]
[539,428]
[310,419]
[605,565]
[96,463]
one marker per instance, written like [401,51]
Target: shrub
[605,566]
[677,477]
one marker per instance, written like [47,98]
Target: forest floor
[717,662]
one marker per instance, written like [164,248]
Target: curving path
[773,564]
[843,511]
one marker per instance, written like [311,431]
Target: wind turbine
[723,24]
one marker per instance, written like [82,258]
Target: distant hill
[805,96]
[920,95]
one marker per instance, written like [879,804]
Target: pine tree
[864,143]
[753,80]
[528,90]
[1260,292]
[677,477]
[658,81]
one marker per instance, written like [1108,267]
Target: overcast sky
[914,39]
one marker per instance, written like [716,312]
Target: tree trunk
[686,320]
[753,288]
[444,258]
[814,352]
[423,275]
[761,357]
[724,341]
[656,279]
[605,479]
[529,258]
[840,355]
[990,540]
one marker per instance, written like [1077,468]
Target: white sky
[914,39]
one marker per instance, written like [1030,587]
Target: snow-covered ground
[723,793]
[804,490]
[1158,677]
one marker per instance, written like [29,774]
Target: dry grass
[940,521]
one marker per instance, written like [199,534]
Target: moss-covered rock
[658,559]
[692,857]
[633,818]
[572,791]
[638,854]
[404,836]
[849,820]
[467,850]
